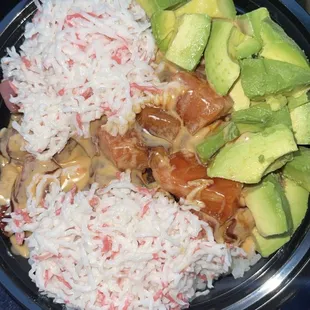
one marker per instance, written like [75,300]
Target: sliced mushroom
[11,145]
[238,228]
[15,147]
[89,145]
[76,166]
[31,167]
[66,153]
[4,138]
[143,178]
[103,171]
[9,174]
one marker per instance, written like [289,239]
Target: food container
[266,281]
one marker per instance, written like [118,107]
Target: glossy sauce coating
[199,105]
[159,123]
[126,152]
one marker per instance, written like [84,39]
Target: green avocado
[241,101]
[241,45]
[221,70]
[266,246]
[189,41]
[298,169]
[253,119]
[301,123]
[246,159]
[263,77]
[152,6]
[298,203]
[163,24]
[298,199]
[279,163]
[298,99]
[250,23]
[276,102]
[223,134]
[269,206]
[248,47]
[260,116]
[278,45]
[213,8]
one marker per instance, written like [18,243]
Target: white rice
[80,60]
[120,247]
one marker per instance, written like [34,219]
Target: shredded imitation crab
[80,60]
[119,247]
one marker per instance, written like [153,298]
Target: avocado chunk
[221,70]
[250,23]
[298,169]
[266,246]
[163,23]
[152,6]
[278,45]
[213,8]
[223,134]
[259,117]
[276,102]
[301,123]
[298,203]
[269,206]
[241,45]
[189,41]
[298,200]
[298,98]
[263,77]
[246,159]
[279,163]
[241,101]
[248,47]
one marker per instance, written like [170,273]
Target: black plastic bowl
[265,280]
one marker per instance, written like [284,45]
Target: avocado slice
[189,41]
[250,23]
[301,126]
[241,101]
[246,159]
[278,45]
[213,8]
[259,117]
[298,169]
[152,6]
[223,134]
[163,24]
[263,77]
[221,70]
[298,203]
[269,206]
